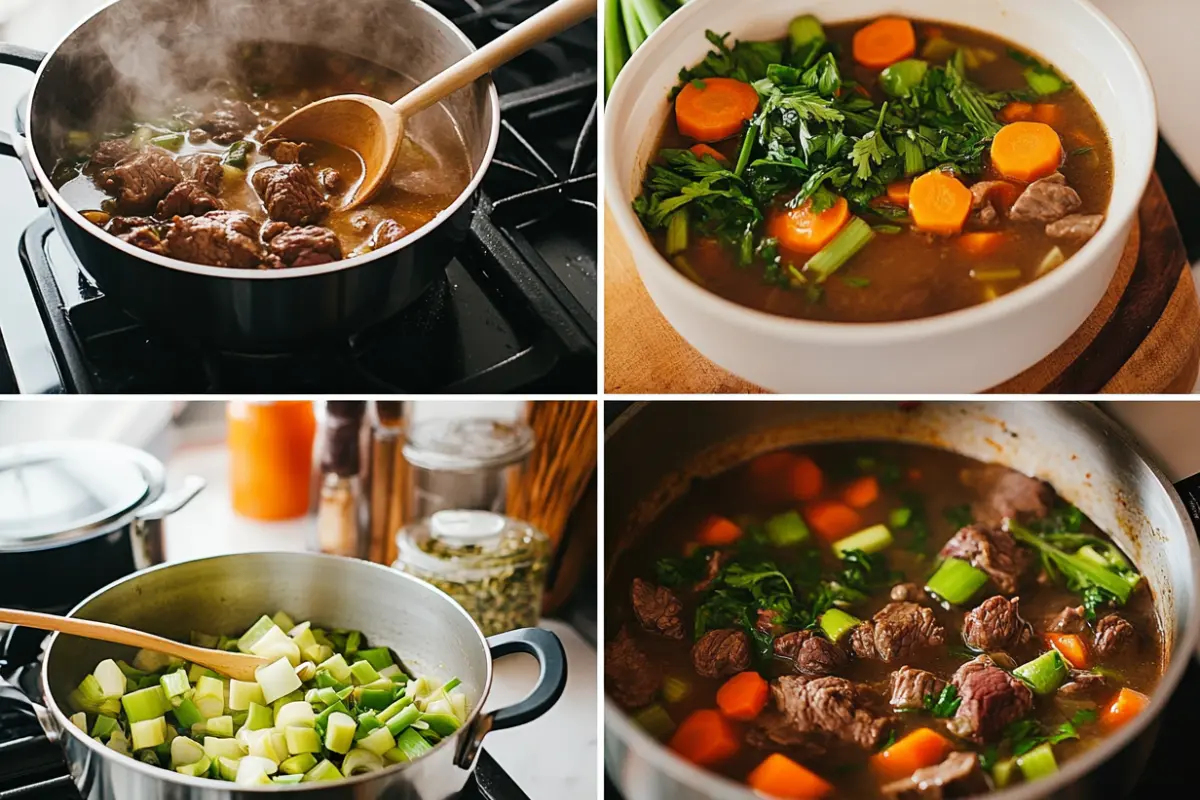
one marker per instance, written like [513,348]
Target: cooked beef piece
[273,228]
[1114,635]
[1070,620]
[231,121]
[120,225]
[148,237]
[187,198]
[630,677]
[106,155]
[285,152]
[909,592]
[656,607]
[198,136]
[896,632]
[140,180]
[1084,685]
[331,179]
[385,233]
[205,169]
[995,624]
[712,568]
[219,238]
[810,654]
[991,699]
[992,550]
[773,731]
[304,246]
[1076,227]
[291,194]
[765,622]
[1047,200]
[985,211]
[721,653]
[833,706]
[910,686]
[1004,493]
[960,775]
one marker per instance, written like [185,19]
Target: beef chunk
[766,622]
[1047,200]
[205,169]
[721,653]
[909,592]
[219,238]
[1005,493]
[833,706]
[121,225]
[1070,620]
[712,565]
[331,179]
[656,607]
[304,246]
[140,180]
[1076,227]
[810,654]
[910,686]
[896,632]
[291,194]
[995,624]
[230,121]
[198,136]
[106,155]
[1114,635]
[986,211]
[390,231]
[187,198]
[151,236]
[774,731]
[960,775]
[991,699]
[1084,685]
[285,152]
[992,550]
[630,677]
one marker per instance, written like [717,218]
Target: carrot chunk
[862,492]
[1071,647]
[714,108]
[702,150]
[779,776]
[743,696]
[939,203]
[884,42]
[800,230]
[1016,112]
[924,747]
[832,519]
[1049,114]
[705,738]
[807,479]
[897,192]
[1027,151]
[1124,707]
[982,243]
[718,531]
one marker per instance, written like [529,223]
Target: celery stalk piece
[302,740]
[197,769]
[339,732]
[110,677]
[254,771]
[787,529]
[856,235]
[103,727]
[441,724]
[174,683]
[185,751]
[145,704]
[956,581]
[283,620]
[869,540]
[359,762]
[275,644]
[363,672]
[227,768]
[412,744]
[323,771]
[150,661]
[277,679]
[223,748]
[286,779]
[90,697]
[298,765]
[259,717]
[243,693]
[256,632]
[403,719]
[378,657]
[118,743]
[337,668]
[394,709]
[79,720]
[219,726]
[298,714]
[378,741]
[148,733]
[1038,762]
[1045,673]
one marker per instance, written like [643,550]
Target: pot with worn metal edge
[77,515]
[654,449]
[254,310]
[426,629]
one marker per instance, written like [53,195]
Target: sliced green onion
[837,623]
[787,529]
[655,721]
[677,232]
[988,275]
[747,147]
[1045,673]
[869,540]
[833,256]
[1038,762]
[956,581]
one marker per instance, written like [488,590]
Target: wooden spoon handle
[550,21]
[103,631]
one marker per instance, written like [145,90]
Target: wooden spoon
[375,130]
[232,665]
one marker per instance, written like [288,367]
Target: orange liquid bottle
[270,457]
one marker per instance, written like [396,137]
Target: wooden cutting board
[1143,337]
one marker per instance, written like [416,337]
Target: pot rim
[65,725]
[467,194]
[617,722]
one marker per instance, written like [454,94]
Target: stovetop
[515,312]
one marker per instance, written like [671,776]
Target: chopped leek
[407,717]
[787,529]
[110,677]
[148,733]
[1045,673]
[360,762]
[185,751]
[869,540]
[79,720]
[412,744]
[380,740]
[337,668]
[1052,261]
[283,621]
[145,704]
[363,672]
[298,765]
[339,732]
[837,623]
[277,679]
[174,683]
[302,740]
[324,771]
[256,632]
[244,693]
[1038,762]
[1002,772]
[956,581]
[296,714]
[104,726]
[833,256]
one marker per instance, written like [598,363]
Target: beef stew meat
[874,171]
[157,179]
[831,604]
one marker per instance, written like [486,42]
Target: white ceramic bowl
[964,351]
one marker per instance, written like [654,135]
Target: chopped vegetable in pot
[327,707]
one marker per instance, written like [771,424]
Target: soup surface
[875,171]
[975,632]
[193,178]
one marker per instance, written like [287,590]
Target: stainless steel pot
[237,309]
[655,449]
[84,512]
[430,632]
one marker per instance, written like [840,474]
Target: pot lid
[467,444]
[55,492]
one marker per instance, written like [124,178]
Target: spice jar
[494,566]
[340,523]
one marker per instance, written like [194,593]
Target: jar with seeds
[493,565]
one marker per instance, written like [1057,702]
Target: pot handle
[26,58]
[24,704]
[172,501]
[552,679]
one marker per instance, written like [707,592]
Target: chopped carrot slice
[939,203]
[862,492]
[1049,114]
[714,108]
[701,150]
[743,696]
[1124,707]
[898,191]
[705,738]
[1071,647]
[914,475]
[884,42]
[807,479]
[832,519]
[981,244]
[1027,151]
[1017,112]
[779,776]
[718,531]
[771,476]
[801,231]
[924,747]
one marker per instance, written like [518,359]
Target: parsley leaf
[945,704]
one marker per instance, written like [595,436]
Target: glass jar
[270,457]
[494,566]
